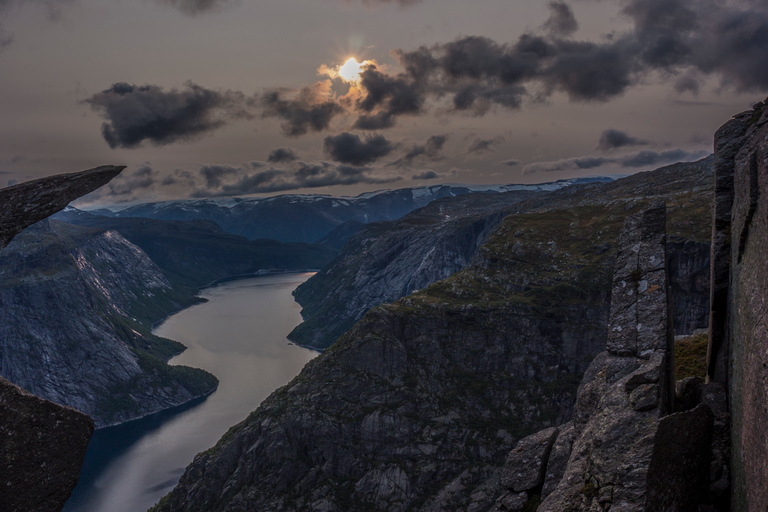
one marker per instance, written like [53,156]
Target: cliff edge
[42,444]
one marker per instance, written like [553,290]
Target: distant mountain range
[309,218]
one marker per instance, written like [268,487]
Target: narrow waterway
[239,335]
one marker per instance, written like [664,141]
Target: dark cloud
[281,155]
[377,121]
[386,97]
[312,108]
[12,182]
[682,40]
[612,139]
[512,163]
[645,158]
[196,7]
[426,175]
[138,113]
[349,148]
[561,21]
[213,174]
[430,149]
[127,184]
[302,175]
[483,145]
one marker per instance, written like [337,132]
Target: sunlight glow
[350,70]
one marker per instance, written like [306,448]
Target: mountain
[78,303]
[417,406]
[384,261]
[66,328]
[196,253]
[387,260]
[308,218]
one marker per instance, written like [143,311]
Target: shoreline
[201,300]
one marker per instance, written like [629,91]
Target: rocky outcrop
[737,356]
[42,444]
[26,203]
[627,450]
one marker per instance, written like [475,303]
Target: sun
[350,70]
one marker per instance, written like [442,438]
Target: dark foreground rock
[738,344]
[42,446]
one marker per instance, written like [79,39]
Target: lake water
[239,335]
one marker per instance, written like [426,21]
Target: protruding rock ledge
[26,203]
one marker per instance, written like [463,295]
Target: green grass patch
[691,356]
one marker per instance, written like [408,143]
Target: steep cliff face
[738,350]
[65,293]
[385,261]
[416,407]
[42,443]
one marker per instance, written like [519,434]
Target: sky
[219,98]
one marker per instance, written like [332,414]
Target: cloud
[196,7]
[384,97]
[425,175]
[482,145]
[349,148]
[645,158]
[511,163]
[311,108]
[431,149]
[129,185]
[612,139]
[683,41]
[561,21]
[214,174]
[280,155]
[138,113]
[301,175]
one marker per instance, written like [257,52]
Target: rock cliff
[384,261]
[625,447]
[738,346]
[418,405]
[42,444]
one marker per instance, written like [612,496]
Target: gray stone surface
[558,458]
[639,322]
[26,203]
[526,464]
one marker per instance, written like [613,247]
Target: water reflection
[239,336]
